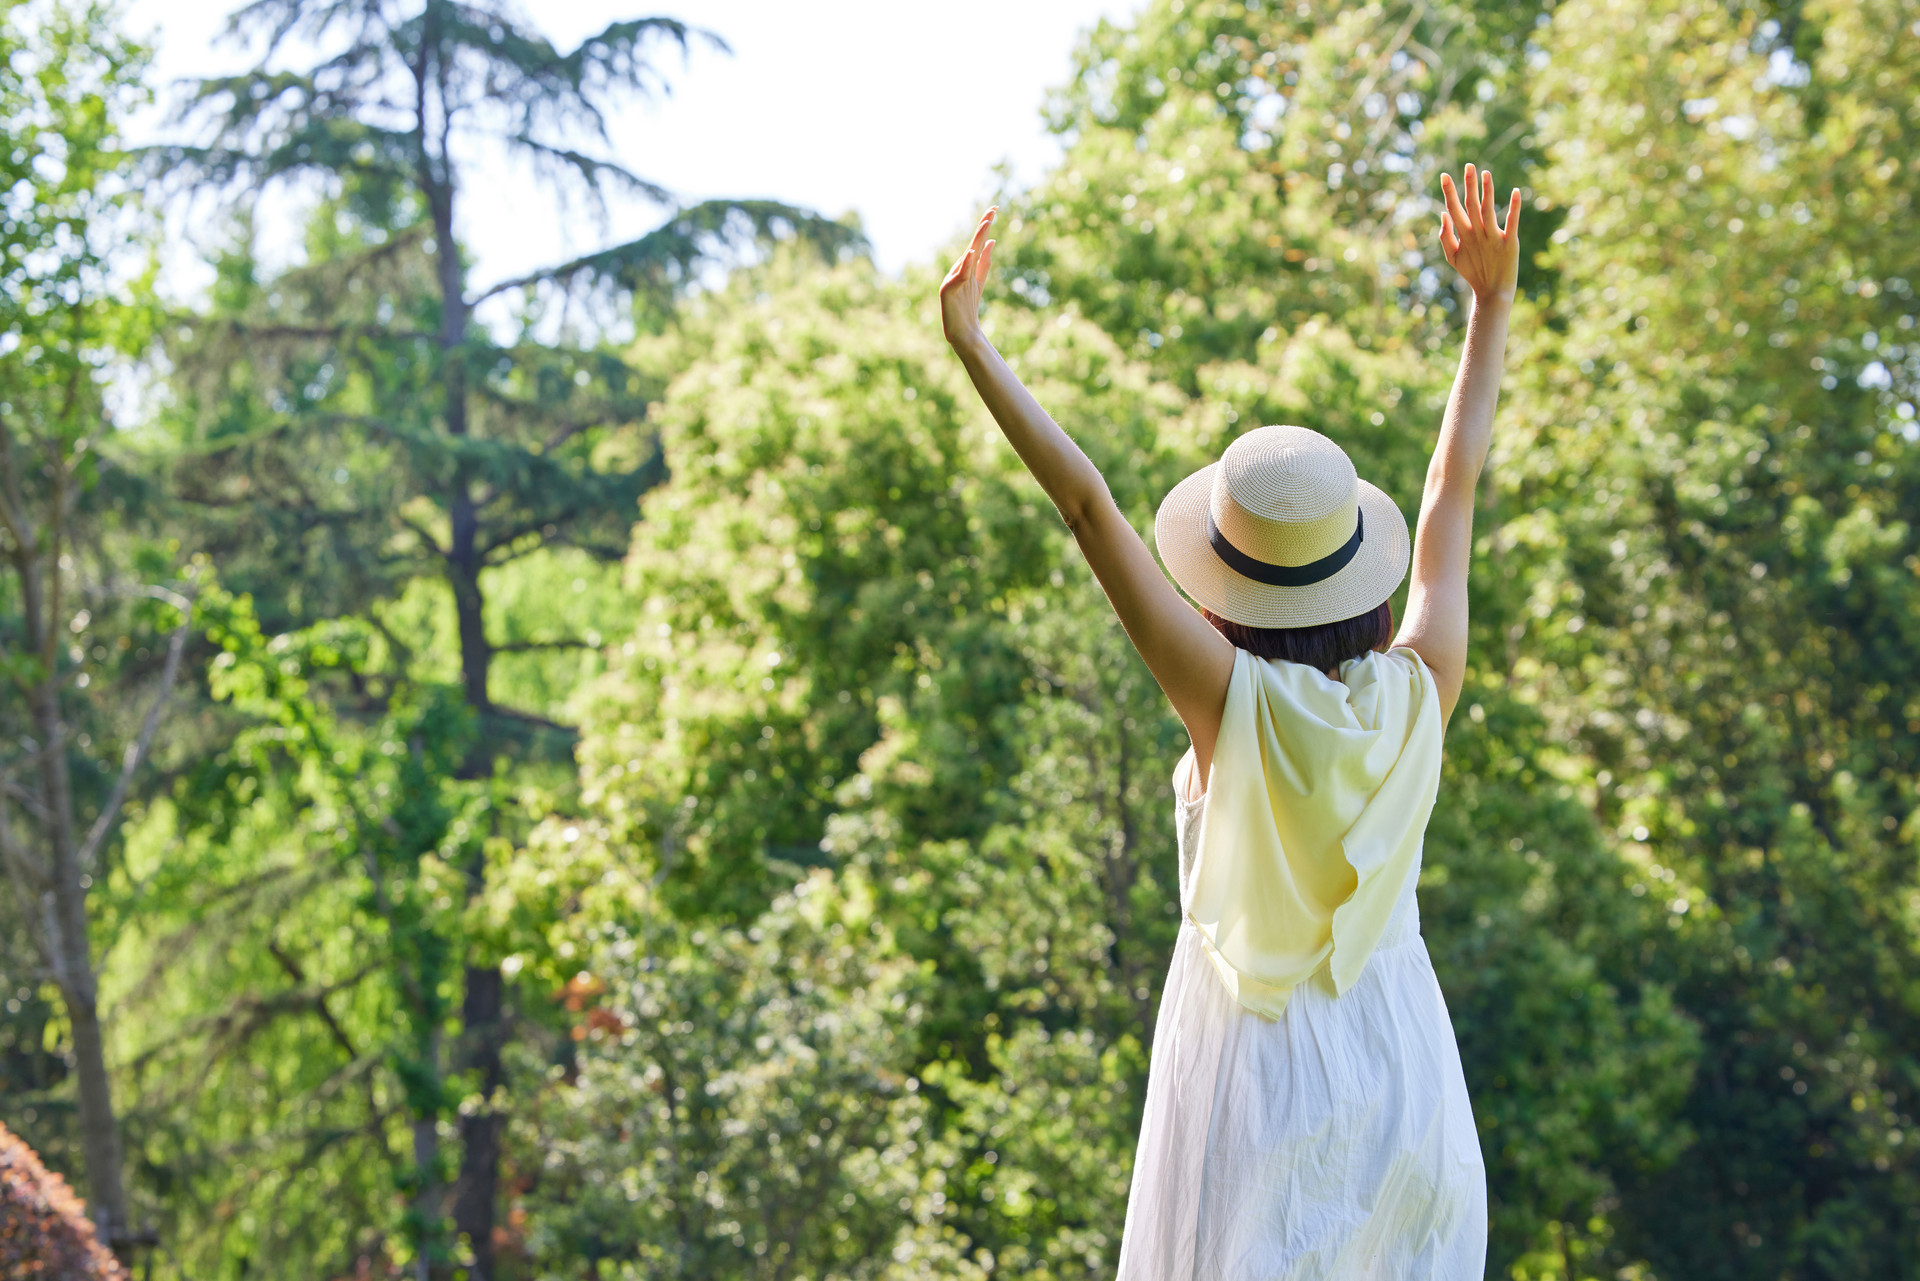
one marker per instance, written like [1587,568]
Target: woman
[1306,1116]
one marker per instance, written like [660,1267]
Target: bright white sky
[897,109]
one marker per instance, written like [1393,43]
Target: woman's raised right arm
[1192,662]
[1488,257]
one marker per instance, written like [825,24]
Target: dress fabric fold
[1316,810]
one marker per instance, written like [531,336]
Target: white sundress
[1335,1142]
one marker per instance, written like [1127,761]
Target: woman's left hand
[960,291]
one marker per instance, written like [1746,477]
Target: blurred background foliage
[751,856]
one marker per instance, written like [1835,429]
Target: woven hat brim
[1375,572]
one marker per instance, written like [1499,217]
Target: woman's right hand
[1486,255]
[960,291]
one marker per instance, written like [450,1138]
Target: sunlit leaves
[744,1103]
[1720,484]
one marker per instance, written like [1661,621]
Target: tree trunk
[429,1263]
[477,1190]
[71,960]
[99,1130]
[483,1031]
[469,606]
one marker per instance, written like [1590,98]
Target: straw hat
[1282,533]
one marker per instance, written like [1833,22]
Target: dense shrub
[44,1230]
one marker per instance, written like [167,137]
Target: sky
[896,109]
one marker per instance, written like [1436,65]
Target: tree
[1715,446]
[296,955]
[73,602]
[497,455]
[851,652]
[780,1116]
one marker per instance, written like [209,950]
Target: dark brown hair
[1322,647]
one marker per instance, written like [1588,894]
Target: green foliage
[1278,287]
[743,1104]
[1582,999]
[86,588]
[1238,172]
[383,474]
[842,545]
[312,432]
[1716,444]
[310,873]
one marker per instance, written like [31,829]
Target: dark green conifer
[351,428]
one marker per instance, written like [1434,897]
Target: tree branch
[426,535]
[231,1029]
[521,647]
[32,874]
[567,427]
[137,752]
[529,718]
[230,443]
[294,972]
[606,553]
[26,798]
[592,170]
[506,538]
[332,332]
[686,239]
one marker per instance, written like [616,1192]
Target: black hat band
[1285,575]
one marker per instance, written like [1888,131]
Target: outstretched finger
[1454,209]
[980,232]
[1513,216]
[986,262]
[1449,239]
[1470,198]
[1487,206]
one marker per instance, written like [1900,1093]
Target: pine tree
[472,452]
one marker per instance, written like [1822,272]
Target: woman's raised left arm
[1192,662]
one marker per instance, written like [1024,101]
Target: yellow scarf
[1317,805]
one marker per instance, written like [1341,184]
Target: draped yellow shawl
[1317,805]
